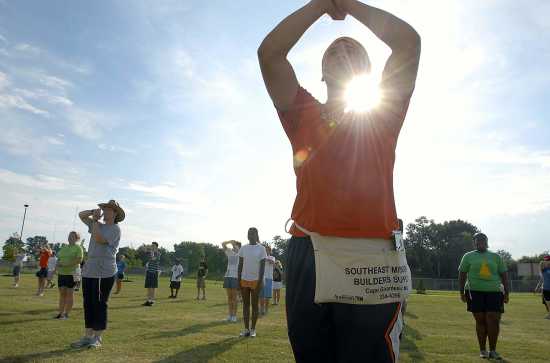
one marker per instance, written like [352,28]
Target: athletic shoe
[245,333]
[494,355]
[58,316]
[483,354]
[253,333]
[228,319]
[95,343]
[64,317]
[15,285]
[82,343]
[147,303]
[233,319]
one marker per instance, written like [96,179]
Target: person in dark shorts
[343,160]
[481,275]
[545,273]
[152,274]
[120,268]
[42,274]
[202,271]
[68,258]
[175,279]
[98,273]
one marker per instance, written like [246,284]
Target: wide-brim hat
[120,215]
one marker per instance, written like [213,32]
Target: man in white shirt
[175,279]
[251,274]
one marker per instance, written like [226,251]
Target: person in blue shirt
[120,268]
[545,272]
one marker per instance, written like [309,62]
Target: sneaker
[483,354]
[95,343]
[16,285]
[147,303]
[64,317]
[253,333]
[233,319]
[245,333]
[228,319]
[494,355]
[82,343]
[58,316]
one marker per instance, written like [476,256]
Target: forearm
[462,281]
[504,279]
[396,33]
[85,216]
[96,233]
[287,33]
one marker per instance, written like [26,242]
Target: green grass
[438,329]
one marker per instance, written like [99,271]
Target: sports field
[184,330]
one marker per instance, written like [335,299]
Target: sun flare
[362,94]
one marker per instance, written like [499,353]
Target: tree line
[433,250]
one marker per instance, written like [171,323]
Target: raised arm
[399,75]
[279,77]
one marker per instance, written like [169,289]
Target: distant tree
[12,245]
[132,259]
[533,259]
[510,263]
[280,249]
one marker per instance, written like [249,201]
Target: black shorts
[120,276]
[65,281]
[334,332]
[485,302]
[16,270]
[151,280]
[545,296]
[42,273]
[175,284]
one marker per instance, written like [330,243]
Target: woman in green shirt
[483,282]
[68,258]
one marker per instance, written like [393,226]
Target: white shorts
[50,274]
[277,285]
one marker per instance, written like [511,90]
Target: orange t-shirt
[344,170]
[44,257]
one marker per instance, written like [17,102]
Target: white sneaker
[253,333]
[16,285]
[245,333]
[83,342]
[228,319]
[234,319]
[483,354]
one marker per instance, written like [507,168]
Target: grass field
[438,329]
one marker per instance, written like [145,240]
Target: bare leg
[246,306]
[62,296]
[481,330]
[229,302]
[203,293]
[198,292]
[69,300]
[254,301]
[118,285]
[493,329]
[177,290]
[233,302]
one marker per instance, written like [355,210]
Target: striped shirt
[153,265]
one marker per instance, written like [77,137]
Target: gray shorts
[201,283]
[230,283]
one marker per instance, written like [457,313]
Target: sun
[362,94]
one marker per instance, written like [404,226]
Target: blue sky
[161,106]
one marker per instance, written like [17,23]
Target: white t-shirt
[232,263]
[252,256]
[177,270]
[269,264]
[52,261]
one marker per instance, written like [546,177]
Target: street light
[23,224]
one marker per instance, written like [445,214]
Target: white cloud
[116,148]
[42,94]
[36,182]
[18,102]
[28,49]
[54,141]
[89,124]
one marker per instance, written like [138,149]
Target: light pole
[23,224]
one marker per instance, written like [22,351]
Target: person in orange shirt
[343,161]
[42,274]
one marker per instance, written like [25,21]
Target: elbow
[266,52]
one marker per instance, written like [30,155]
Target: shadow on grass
[408,314]
[196,328]
[408,344]
[201,353]
[33,357]
[22,321]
